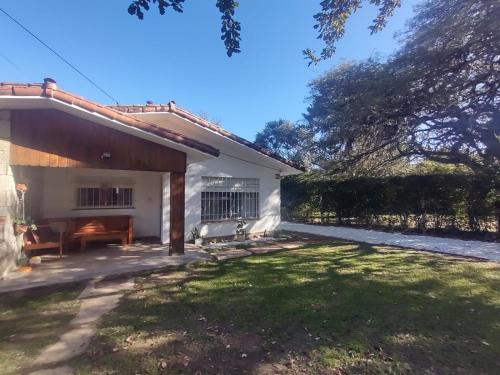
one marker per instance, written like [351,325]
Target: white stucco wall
[59,196]
[60,186]
[226,166]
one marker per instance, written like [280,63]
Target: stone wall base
[10,245]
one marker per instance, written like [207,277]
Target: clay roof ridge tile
[23,89]
[210,125]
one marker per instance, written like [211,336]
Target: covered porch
[75,168]
[67,149]
[86,200]
[100,262]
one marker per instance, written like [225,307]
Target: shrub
[440,201]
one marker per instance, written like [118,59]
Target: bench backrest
[101,224]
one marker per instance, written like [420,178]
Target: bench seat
[103,237]
[100,228]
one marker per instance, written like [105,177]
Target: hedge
[458,201]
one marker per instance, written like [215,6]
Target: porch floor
[99,262]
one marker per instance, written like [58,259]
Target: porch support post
[177,207]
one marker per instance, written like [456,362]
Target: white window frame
[229,199]
[96,199]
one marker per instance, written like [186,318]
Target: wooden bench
[44,237]
[100,228]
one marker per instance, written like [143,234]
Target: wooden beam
[50,138]
[177,207]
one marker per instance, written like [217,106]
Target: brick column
[10,248]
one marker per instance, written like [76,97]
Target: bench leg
[83,244]
[61,244]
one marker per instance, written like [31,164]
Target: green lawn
[31,320]
[335,308]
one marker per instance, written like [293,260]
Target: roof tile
[173,108]
[37,89]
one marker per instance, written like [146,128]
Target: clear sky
[181,57]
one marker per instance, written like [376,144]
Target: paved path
[98,298]
[477,249]
[99,263]
[259,248]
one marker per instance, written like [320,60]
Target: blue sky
[181,57]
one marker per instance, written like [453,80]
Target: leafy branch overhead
[230,28]
[330,21]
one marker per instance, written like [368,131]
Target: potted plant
[195,234]
[240,230]
[21,226]
[35,260]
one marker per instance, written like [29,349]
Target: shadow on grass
[32,319]
[344,306]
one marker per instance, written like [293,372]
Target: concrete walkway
[94,263]
[98,298]
[477,249]
[259,248]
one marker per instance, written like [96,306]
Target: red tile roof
[50,90]
[171,107]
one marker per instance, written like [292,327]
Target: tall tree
[286,139]
[437,98]
[330,20]
[452,63]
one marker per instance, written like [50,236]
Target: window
[104,197]
[225,198]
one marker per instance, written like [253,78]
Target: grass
[327,308]
[31,320]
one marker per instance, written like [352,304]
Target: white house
[166,168]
